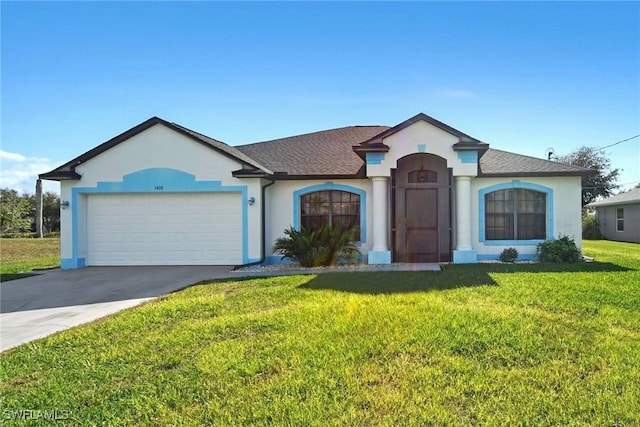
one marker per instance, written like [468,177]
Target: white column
[380,213]
[463,212]
[464,252]
[380,253]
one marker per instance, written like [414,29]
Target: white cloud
[457,94]
[14,157]
[20,172]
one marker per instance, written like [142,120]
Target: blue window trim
[336,187]
[153,180]
[374,158]
[515,184]
[468,156]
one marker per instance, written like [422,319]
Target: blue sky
[520,76]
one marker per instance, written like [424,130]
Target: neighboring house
[619,216]
[420,191]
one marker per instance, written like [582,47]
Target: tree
[50,211]
[635,187]
[600,183]
[15,211]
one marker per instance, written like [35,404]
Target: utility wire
[619,142]
[603,186]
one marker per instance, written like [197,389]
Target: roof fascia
[250,173]
[68,169]
[422,117]
[286,177]
[470,146]
[60,176]
[525,174]
[604,204]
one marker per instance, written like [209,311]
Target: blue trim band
[507,185]
[512,242]
[72,263]
[379,257]
[375,158]
[277,259]
[468,156]
[154,180]
[465,257]
[338,187]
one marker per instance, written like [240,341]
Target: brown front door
[421,225]
[422,210]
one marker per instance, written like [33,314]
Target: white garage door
[164,229]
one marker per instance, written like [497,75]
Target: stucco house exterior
[619,216]
[420,191]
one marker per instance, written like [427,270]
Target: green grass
[19,256]
[483,344]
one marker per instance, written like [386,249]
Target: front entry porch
[421,212]
[415,211]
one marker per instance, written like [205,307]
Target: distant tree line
[602,182]
[18,212]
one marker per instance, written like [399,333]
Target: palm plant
[314,247]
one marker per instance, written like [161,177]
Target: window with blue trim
[515,214]
[330,207]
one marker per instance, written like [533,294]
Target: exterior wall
[608,223]
[161,160]
[157,159]
[563,205]
[283,212]
[422,137]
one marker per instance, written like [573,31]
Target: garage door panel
[164,229]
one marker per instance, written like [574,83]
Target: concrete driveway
[38,306]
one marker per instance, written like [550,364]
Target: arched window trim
[332,187]
[514,185]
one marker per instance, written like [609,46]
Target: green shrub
[591,227]
[314,247]
[28,235]
[509,255]
[300,245]
[17,235]
[563,249]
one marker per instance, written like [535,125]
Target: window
[620,219]
[515,214]
[330,207]
[422,175]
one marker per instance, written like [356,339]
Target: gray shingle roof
[325,153]
[503,163]
[629,197]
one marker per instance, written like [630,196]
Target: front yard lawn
[19,256]
[488,344]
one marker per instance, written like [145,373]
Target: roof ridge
[625,197]
[310,133]
[199,133]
